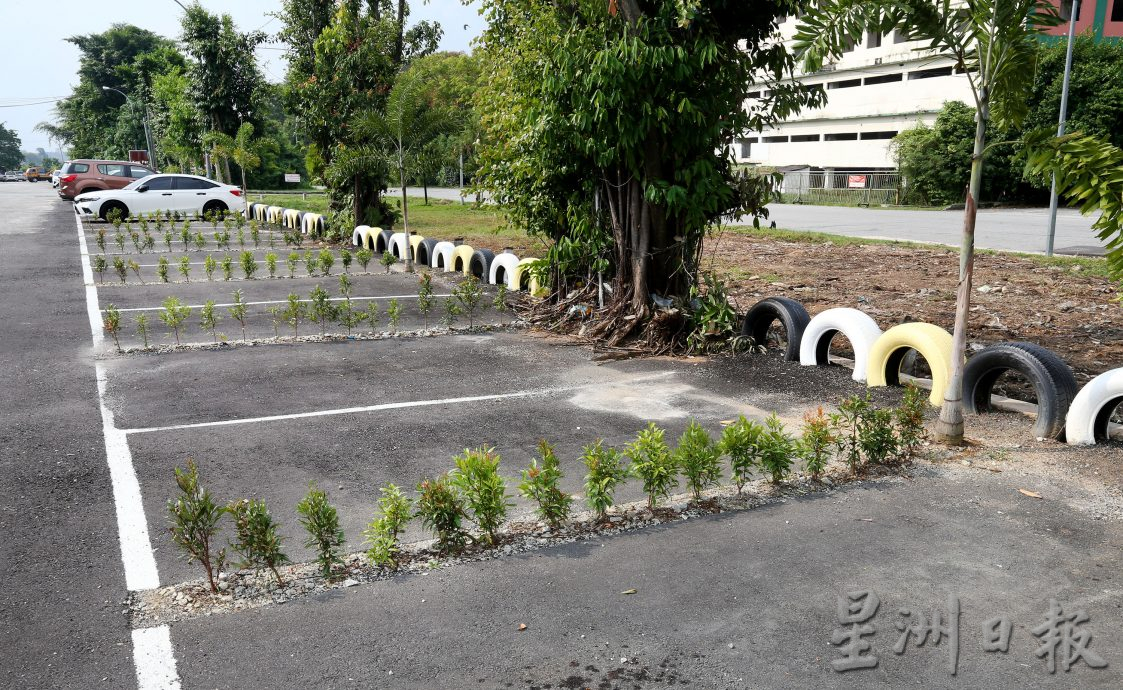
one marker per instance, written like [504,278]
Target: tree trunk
[245,197]
[357,200]
[949,427]
[399,41]
[226,170]
[405,217]
[425,188]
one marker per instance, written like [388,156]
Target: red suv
[84,175]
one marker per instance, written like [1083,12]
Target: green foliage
[321,309]
[348,317]
[185,268]
[483,489]
[257,541]
[135,237]
[372,313]
[743,442]
[714,322]
[311,262]
[499,303]
[194,523]
[425,295]
[271,264]
[778,449]
[185,234]
[846,426]
[249,264]
[209,265]
[255,233]
[321,521]
[388,260]
[10,155]
[227,265]
[698,458]
[469,294]
[200,241]
[174,314]
[119,240]
[112,324]
[363,256]
[653,463]
[135,268]
[293,312]
[238,311]
[142,328]
[168,240]
[540,484]
[442,511]
[241,237]
[208,320]
[345,258]
[394,313]
[162,269]
[381,535]
[815,442]
[100,266]
[327,260]
[605,471]
[275,317]
[877,437]
[451,311]
[909,419]
[293,259]
[99,238]
[121,268]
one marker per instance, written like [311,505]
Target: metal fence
[847,187]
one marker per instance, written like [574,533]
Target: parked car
[186,194]
[80,176]
[34,174]
[55,175]
[13,176]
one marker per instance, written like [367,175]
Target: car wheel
[108,207]
[214,206]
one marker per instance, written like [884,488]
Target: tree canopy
[10,155]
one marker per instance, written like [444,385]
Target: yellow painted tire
[522,278]
[414,240]
[461,259]
[361,236]
[932,342]
[292,219]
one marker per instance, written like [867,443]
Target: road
[1021,230]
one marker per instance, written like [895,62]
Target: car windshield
[134,185]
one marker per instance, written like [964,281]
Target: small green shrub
[372,313]
[605,471]
[442,511]
[540,484]
[483,489]
[174,315]
[778,449]
[388,260]
[257,541]
[238,311]
[100,266]
[135,237]
[321,521]
[311,262]
[255,234]
[364,256]
[119,240]
[249,264]
[149,241]
[742,441]
[345,258]
[846,427]
[451,311]
[877,437]
[208,320]
[135,268]
[142,328]
[227,265]
[425,295]
[469,293]
[185,235]
[241,238]
[112,324]
[194,525]
[321,309]
[168,237]
[394,313]
[348,317]
[200,241]
[162,269]
[909,418]
[271,264]
[293,312]
[815,442]
[698,458]
[500,300]
[275,316]
[382,533]
[293,260]
[185,268]
[327,260]
[121,268]
[100,238]
[653,463]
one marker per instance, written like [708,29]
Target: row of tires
[1081,416]
[496,269]
[305,221]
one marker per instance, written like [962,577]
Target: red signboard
[856,181]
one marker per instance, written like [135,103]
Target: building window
[804,137]
[753,94]
[884,79]
[844,84]
[746,146]
[841,136]
[866,136]
[929,73]
[1117,11]
[899,36]
[873,40]
[775,140]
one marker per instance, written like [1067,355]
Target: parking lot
[743,599]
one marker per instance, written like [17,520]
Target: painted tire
[1091,409]
[932,342]
[382,241]
[259,211]
[788,312]
[442,256]
[861,330]
[397,245]
[502,269]
[480,264]
[414,241]
[299,224]
[273,214]
[523,279]
[311,223]
[461,259]
[360,236]
[1052,380]
[423,254]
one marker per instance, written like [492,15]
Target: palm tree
[245,151]
[994,41]
[222,148]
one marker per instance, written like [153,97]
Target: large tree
[606,127]
[10,155]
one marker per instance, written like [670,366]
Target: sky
[39,64]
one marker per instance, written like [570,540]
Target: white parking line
[284,301]
[152,647]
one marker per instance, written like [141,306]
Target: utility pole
[1073,11]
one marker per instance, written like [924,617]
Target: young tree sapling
[162,269]
[174,314]
[325,536]
[483,489]
[209,265]
[227,264]
[195,517]
[364,256]
[142,328]
[185,268]
[540,484]
[249,264]
[208,320]
[238,312]
[653,463]
[271,264]
[112,323]
[100,266]
[257,541]
[698,458]
[605,471]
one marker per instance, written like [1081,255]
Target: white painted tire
[522,275]
[360,236]
[856,325]
[397,245]
[1090,412]
[310,223]
[442,255]
[505,262]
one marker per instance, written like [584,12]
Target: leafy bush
[605,471]
[209,265]
[227,264]
[425,295]
[364,256]
[327,260]
[238,311]
[100,238]
[311,262]
[275,316]
[713,319]
[381,534]
[241,238]
[743,442]
[846,427]
[321,308]
[483,489]
[540,484]
[162,269]
[321,521]
[394,313]
[249,264]
[255,234]
[653,463]
[345,258]
[257,542]
[185,268]
[208,320]
[293,259]
[271,264]
[135,237]
[293,312]
[452,310]
[112,324]
[195,518]
[372,313]
[778,449]
[119,240]
[168,240]
[135,268]
[698,458]
[142,328]
[100,266]
[469,293]
[388,260]
[200,241]
[185,235]
[815,442]
[909,417]
[500,300]
[877,437]
[174,315]
[442,511]
[348,317]
[121,268]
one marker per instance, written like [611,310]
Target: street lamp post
[1072,12]
[147,132]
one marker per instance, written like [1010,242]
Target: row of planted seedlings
[468,507]
[315,264]
[319,308]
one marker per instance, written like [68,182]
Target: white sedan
[185,194]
